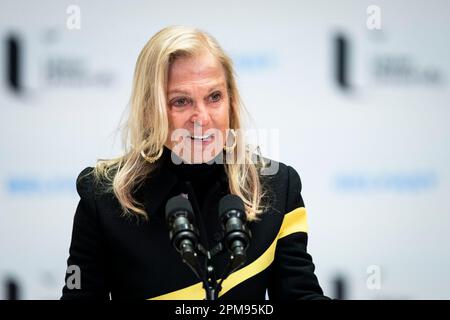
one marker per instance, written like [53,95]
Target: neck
[194,171]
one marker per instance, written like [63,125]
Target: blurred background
[358,92]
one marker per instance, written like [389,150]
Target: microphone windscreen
[231,202]
[179,204]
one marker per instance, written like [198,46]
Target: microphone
[183,234]
[233,220]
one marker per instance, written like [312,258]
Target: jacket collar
[162,182]
[157,189]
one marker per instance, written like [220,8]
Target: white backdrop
[373,155]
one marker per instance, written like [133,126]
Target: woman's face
[197,107]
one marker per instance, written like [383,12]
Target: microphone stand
[207,275]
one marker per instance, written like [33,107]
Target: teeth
[201,137]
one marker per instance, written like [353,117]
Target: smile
[202,138]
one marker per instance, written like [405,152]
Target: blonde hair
[147,125]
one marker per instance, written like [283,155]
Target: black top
[198,180]
[122,259]
[201,176]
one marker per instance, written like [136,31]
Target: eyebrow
[221,84]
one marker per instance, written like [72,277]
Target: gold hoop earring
[229,149]
[152,159]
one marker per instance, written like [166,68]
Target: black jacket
[119,258]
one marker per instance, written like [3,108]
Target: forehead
[201,69]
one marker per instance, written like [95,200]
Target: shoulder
[85,183]
[93,192]
[88,185]
[279,173]
[283,182]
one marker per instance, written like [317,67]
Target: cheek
[221,118]
[177,119]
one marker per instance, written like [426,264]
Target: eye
[216,96]
[180,102]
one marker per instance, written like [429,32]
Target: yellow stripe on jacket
[294,221]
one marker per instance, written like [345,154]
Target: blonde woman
[181,138]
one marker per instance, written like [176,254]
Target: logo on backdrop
[37,68]
[396,68]
[401,182]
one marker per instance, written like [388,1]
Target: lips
[206,137]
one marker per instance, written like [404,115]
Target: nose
[200,116]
